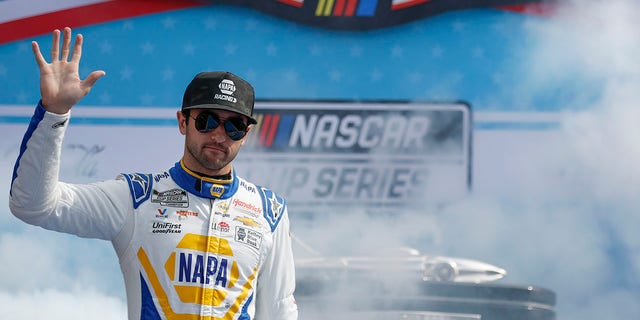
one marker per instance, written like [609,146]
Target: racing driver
[195,241]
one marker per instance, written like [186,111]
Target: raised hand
[60,84]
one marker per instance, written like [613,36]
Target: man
[194,242]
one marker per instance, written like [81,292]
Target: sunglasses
[234,127]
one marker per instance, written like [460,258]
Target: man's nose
[218,134]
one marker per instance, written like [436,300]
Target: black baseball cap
[220,90]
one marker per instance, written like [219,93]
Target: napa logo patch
[216,190]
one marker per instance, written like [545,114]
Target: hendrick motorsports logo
[320,154]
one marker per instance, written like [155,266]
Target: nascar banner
[23,19]
[360,154]
[318,155]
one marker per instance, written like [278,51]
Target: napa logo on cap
[227,86]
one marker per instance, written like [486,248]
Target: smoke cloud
[555,209]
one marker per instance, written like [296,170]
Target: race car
[402,283]
[395,264]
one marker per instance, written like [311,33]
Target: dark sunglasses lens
[235,128]
[206,122]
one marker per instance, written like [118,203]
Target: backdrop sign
[317,154]
[372,155]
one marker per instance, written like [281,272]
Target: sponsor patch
[161,176]
[250,222]
[59,124]
[162,213]
[166,227]
[221,226]
[249,208]
[248,187]
[171,198]
[222,208]
[216,190]
[184,214]
[249,237]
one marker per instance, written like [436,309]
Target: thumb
[91,79]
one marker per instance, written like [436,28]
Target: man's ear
[244,139]
[182,122]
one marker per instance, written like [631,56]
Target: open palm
[60,84]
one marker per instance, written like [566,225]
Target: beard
[206,160]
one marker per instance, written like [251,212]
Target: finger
[66,44]
[77,49]
[37,54]
[91,79]
[55,45]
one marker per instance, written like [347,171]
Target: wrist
[53,108]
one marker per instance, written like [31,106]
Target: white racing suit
[189,247]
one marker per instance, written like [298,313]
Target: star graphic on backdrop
[251,75]
[169,23]
[147,48]
[415,76]
[167,74]
[418,28]
[126,73]
[335,75]
[356,51]
[146,99]
[315,50]
[456,76]
[477,52]
[21,97]
[291,75]
[272,49]
[500,26]
[458,25]
[85,70]
[497,77]
[128,25]
[397,51]
[375,75]
[24,46]
[437,51]
[105,98]
[189,49]
[106,47]
[210,23]
[251,24]
[230,49]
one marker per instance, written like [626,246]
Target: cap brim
[220,107]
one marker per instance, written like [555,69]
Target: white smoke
[556,209]
[566,216]
[44,272]
[57,304]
